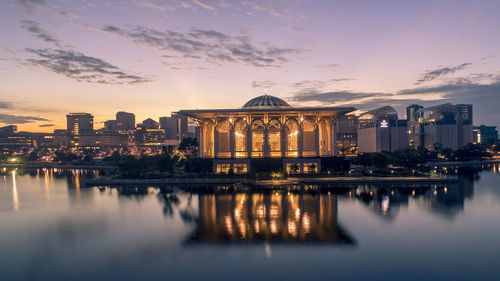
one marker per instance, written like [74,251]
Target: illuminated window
[223,168]
[223,136]
[257,139]
[274,138]
[240,139]
[292,132]
[308,135]
[240,168]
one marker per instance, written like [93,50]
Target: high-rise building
[175,126]
[446,124]
[380,130]
[111,125]
[125,121]
[346,135]
[413,113]
[80,123]
[149,124]
[485,134]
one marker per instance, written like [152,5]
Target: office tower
[149,124]
[125,121]
[413,113]
[380,130]
[80,123]
[175,126]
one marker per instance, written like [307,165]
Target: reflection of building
[254,217]
[266,127]
[380,130]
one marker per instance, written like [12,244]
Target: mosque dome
[266,101]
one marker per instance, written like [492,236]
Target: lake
[54,228]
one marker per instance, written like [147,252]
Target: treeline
[411,158]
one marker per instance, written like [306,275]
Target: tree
[188,147]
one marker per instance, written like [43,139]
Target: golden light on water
[15,195]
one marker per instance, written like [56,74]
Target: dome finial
[265,92]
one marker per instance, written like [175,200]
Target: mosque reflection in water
[270,216]
[227,214]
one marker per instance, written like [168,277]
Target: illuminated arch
[223,138]
[309,137]
[257,128]
[292,138]
[207,138]
[325,137]
[274,138]
[240,138]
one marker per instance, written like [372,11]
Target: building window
[240,168]
[257,139]
[240,139]
[223,168]
[274,138]
[292,136]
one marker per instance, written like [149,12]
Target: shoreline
[289,181]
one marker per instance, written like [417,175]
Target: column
[300,140]
[334,138]
[199,132]
[266,143]
[316,140]
[249,141]
[283,139]
[216,142]
[232,141]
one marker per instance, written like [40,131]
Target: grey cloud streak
[211,45]
[81,67]
[17,119]
[36,29]
[436,73]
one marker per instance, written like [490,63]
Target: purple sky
[152,57]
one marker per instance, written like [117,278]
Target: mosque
[266,130]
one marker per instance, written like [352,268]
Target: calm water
[51,228]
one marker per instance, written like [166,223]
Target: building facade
[267,127]
[80,123]
[380,130]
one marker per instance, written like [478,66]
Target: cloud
[16,119]
[36,29]
[262,84]
[5,105]
[30,5]
[436,73]
[46,125]
[203,5]
[333,97]
[215,47]
[82,68]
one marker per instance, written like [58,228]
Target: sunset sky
[152,57]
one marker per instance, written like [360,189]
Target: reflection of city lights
[229,225]
[413,192]
[297,213]
[306,223]
[15,196]
[274,227]
[385,204]
[445,189]
[292,228]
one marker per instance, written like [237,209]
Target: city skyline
[155,57]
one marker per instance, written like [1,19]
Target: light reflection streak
[15,196]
